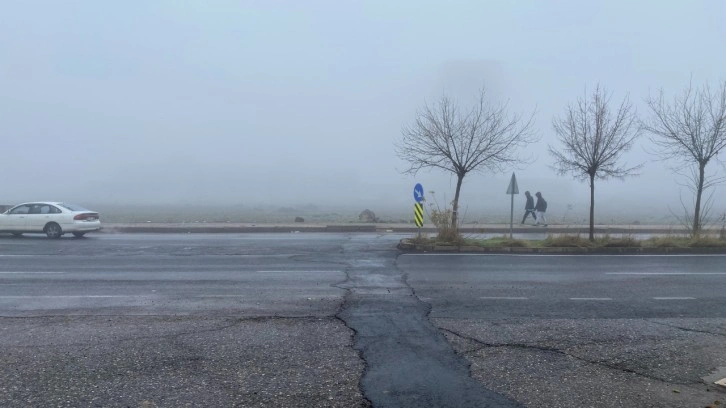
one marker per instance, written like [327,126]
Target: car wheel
[53,230]
[17,234]
[79,234]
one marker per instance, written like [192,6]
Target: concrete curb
[213,228]
[231,229]
[406,246]
[661,230]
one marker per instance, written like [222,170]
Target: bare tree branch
[592,139]
[689,132]
[484,138]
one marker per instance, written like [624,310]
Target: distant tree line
[688,132]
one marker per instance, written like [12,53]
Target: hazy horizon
[287,104]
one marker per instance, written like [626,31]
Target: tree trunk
[697,211]
[592,207]
[455,205]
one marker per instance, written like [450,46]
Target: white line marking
[574,255]
[219,296]
[293,271]
[69,296]
[320,296]
[665,273]
[503,298]
[591,298]
[675,298]
[31,273]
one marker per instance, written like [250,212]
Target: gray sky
[249,102]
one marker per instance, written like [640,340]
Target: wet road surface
[328,319]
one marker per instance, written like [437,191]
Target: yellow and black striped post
[418,214]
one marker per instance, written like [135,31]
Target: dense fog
[258,104]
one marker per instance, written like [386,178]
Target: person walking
[529,207]
[540,209]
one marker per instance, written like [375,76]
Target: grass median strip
[578,241]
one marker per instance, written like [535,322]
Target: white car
[52,218]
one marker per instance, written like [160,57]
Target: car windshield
[21,209]
[72,207]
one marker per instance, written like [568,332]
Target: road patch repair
[409,363]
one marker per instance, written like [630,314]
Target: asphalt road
[570,331]
[175,320]
[341,320]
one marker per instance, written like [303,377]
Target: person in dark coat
[540,208]
[529,207]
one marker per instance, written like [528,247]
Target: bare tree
[690,131]
[484,137]
[686,215]
[593,138]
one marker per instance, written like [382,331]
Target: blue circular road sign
[418,193]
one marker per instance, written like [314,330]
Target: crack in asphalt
[554,350]
[407,360]
[359,352]
[337,316]
[685,329]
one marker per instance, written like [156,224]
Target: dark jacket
[530,203]
[541,204]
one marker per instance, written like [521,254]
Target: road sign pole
[418,196]
[420,225]
[418,217]
[511,216]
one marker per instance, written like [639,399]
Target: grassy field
[221,214]
[281,214]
